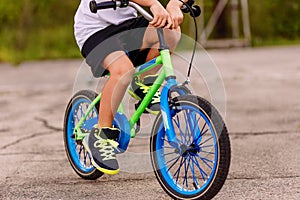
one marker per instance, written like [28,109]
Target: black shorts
[127,36]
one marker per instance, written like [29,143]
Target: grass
[51,43]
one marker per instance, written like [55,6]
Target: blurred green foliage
[43,29]
[271,20]
[274,20]
[37,30]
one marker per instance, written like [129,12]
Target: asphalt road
[262,112]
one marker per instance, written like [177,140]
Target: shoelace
[107,147]
[156,98]
[145,88]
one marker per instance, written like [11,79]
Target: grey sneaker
[102,147]
[139,90]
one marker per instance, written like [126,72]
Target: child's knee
[123,73]
[126,76]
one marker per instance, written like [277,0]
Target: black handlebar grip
[93,6]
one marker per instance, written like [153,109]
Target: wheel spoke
[173,163]
[84,156]
[81,110]
[210,152]
[206,146]
[202,172]
[187,137]
[192,124]
[169,147]
[186,169]
[90,159]
[76,117]
[92,113]
[178,170]
[80,150]
[195,181]
[165,140]
[205,160]
[171,160]
[206,140]
[194,129]
[166,154]
[204,132]
[182,138]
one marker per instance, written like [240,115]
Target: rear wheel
[78,157]
[198,167]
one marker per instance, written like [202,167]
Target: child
[91,31]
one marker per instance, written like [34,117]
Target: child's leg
[121,71]
[100,143]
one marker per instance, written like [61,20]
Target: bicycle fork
[164,99]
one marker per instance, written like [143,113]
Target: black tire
[90,172]
[165,175]
[179,90]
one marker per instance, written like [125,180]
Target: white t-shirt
[87,23]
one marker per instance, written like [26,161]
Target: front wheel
[198,167]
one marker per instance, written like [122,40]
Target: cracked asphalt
[262,87]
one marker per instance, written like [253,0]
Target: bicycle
[189,142]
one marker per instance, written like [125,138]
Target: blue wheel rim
[191,173]
[80,157]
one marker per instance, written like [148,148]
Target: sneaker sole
[152,112]
[105,171]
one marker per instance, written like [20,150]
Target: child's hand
[173,8]
[161,17]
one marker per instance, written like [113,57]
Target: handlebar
[94,7]
[187,7]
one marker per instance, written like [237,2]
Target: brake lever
[194,10]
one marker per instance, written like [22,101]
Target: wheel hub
[184,150]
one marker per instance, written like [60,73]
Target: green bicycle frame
[167,70]
[165,60]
